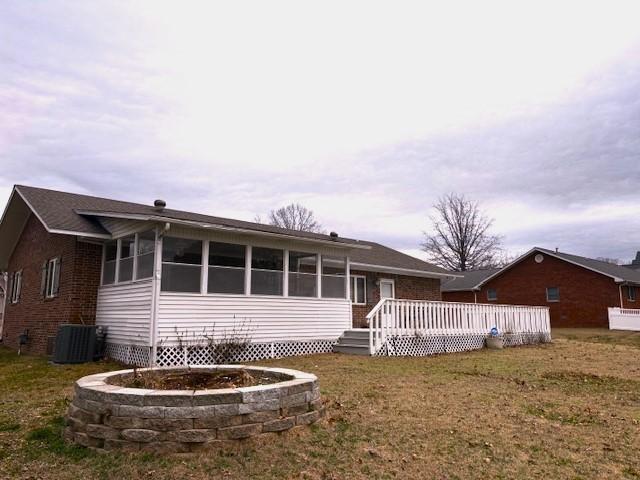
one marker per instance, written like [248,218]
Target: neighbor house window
[226,268]
[110,257]
[145,252]
[631,294]
[333,277]
[127,252]
[553,294]
[267,265]
[50,278]
[492,294]
[181,265]
[358,289]
[16,287]
[302,274]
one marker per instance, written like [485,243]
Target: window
[492,294]
[333,277]
[358,289]
[109,269]
[181,265]
[302,274]
[127,252]
[50,278]
[553,294]
[226,268]
[145,252]
[16,287]
[631,294]
[267,265]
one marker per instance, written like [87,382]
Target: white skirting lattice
[420,346]
[169,356]
[137,355]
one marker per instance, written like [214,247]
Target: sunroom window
[333,277]
[110,255]
[146,250]
[267,265]
[127,252]
[226,268]
[302,274]
[181,265]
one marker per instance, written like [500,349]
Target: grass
[566,410]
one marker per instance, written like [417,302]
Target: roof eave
[401,271]
[223,228]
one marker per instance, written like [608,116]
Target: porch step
[354,342]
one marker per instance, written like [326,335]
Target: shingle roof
[385,256]
[468,281]
[610,269]
[58,210]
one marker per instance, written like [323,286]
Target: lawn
[570,409]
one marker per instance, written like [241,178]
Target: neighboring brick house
[144,272]
[577,290]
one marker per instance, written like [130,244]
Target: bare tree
[294,217]
[461,240]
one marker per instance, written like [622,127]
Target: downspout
[155,293]
[475,296]
[620,290]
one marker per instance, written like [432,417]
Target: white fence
[392,318]
[624,318]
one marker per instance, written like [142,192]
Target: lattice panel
[206,355]
[436,344]
[128,354]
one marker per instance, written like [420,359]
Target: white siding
[126,310]
[268,319]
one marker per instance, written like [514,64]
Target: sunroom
[173,290]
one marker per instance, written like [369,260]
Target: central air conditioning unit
[78,343]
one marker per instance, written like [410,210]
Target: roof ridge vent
[159,205]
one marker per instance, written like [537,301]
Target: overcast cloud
[362,111]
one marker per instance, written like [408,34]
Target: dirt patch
[195,379]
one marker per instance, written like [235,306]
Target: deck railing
[407,318]
[624,318]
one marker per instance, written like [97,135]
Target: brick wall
[410,288]
[584,295]
[76,300]
[464,297]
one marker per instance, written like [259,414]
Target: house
[156,278]
[635,263]
[577,290]
[463,288]
[3,298]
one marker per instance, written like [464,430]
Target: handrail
[402,318]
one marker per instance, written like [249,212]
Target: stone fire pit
[111,417]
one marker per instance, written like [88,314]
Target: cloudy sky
[366,112]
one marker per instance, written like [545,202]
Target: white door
[387,289]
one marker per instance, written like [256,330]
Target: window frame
[631,297]
[283,272]
[493,298]
[16,287]
[135,256]
[200,265]
[550,300]
[290,272]
[52,269]
[205,280]
[354,289]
